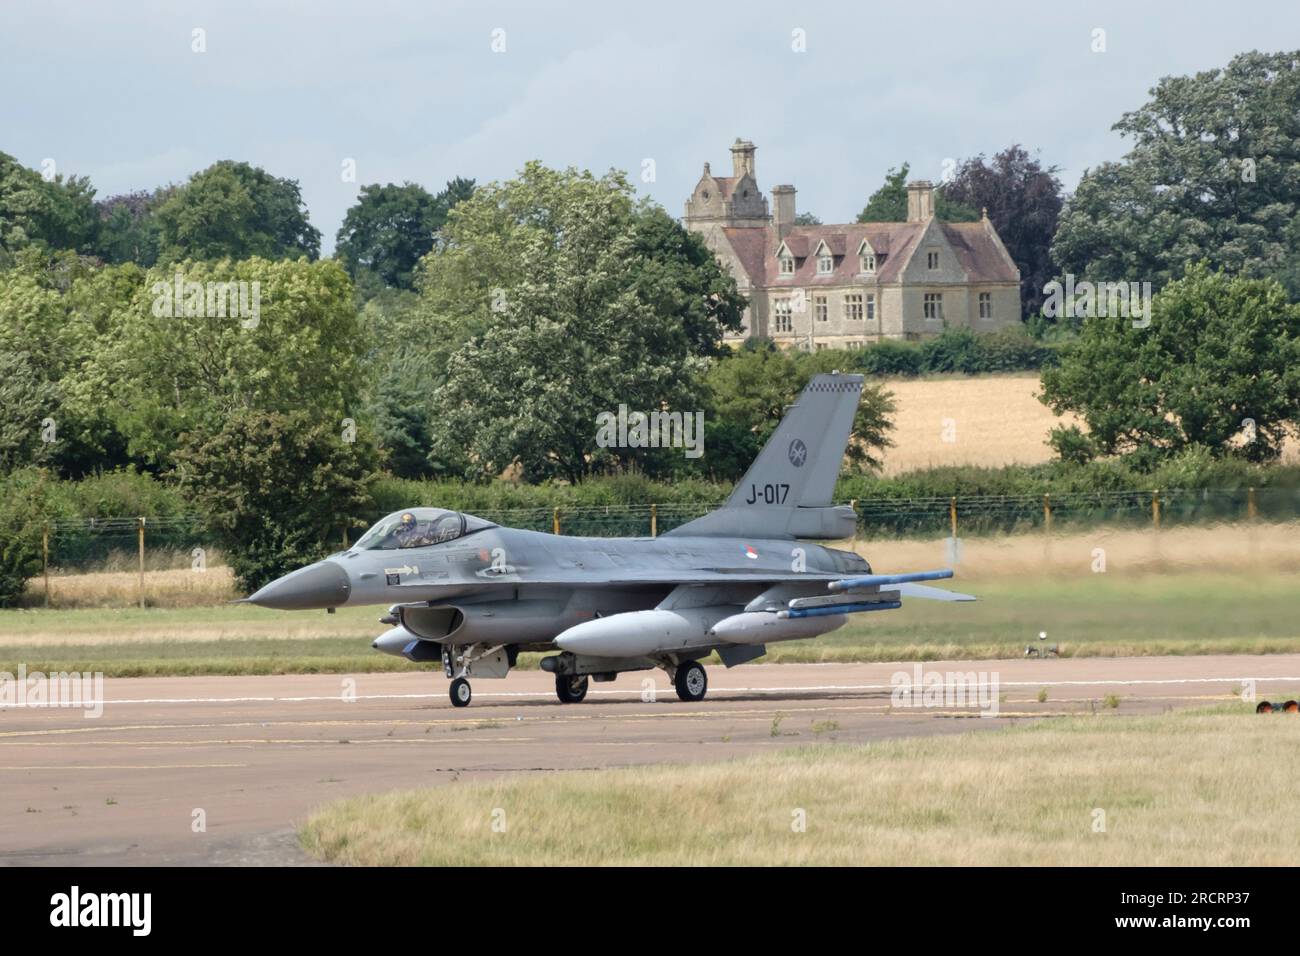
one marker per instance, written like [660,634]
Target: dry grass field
[989,420]
[1242,548]
[177,587]
[985,420]
[1177,789]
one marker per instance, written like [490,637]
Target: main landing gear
[691,681]
[460,692]
[570,690]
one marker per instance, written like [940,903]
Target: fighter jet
[472,595]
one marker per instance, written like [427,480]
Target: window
[825,264]
[853,307]
[933,305]
[986,305]
[781,317]
[932,260]
[868,261]
[787,265]
[821,309]
[871,308]
[417,528]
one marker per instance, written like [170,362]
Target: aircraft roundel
[798,452]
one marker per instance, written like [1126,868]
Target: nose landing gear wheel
[691,682]
[570,690]
[460,692]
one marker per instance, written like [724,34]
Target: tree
[129,231]
[277,489]
[401,413]
[57,318]
[27,400]
[1214,175]
[554,297]
[21,202]
[237,211]
[1218,367]
[681,280]
[390,228]
[1024,201]
[24,509]
[399,377]
[252,335]
[889,202]
[806,219]
[54,214]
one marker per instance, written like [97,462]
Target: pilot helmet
[408,522]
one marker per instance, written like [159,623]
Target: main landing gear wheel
[570,690]
[460,692]
[691,681]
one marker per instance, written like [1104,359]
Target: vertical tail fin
[787,490]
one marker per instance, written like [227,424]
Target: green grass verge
[1177,789]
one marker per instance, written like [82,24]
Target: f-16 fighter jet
[472,595]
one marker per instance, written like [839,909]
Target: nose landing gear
[477,660]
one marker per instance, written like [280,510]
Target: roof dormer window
[787,265]
[825,259]
[866,257]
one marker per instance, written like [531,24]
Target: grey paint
[724,581]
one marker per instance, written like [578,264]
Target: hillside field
[992,420]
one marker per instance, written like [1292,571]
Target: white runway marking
[630,692]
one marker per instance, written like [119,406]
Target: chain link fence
[128,541]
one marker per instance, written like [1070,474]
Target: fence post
[1155,508]
[555,521]
[1252,509]
[952,518]
[140,531]
[45,560]
[1047,513]
[654,520]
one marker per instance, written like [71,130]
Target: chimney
[920,201]
[782,209]
[742,158]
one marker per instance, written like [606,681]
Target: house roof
[980,253]
[977,249]
[750,246]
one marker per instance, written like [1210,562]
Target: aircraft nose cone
[320,585]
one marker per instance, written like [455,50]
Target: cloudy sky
[415,91]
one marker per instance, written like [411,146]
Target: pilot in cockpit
[408,532]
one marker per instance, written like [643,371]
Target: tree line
[194,333]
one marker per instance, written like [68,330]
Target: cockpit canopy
[418,528]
